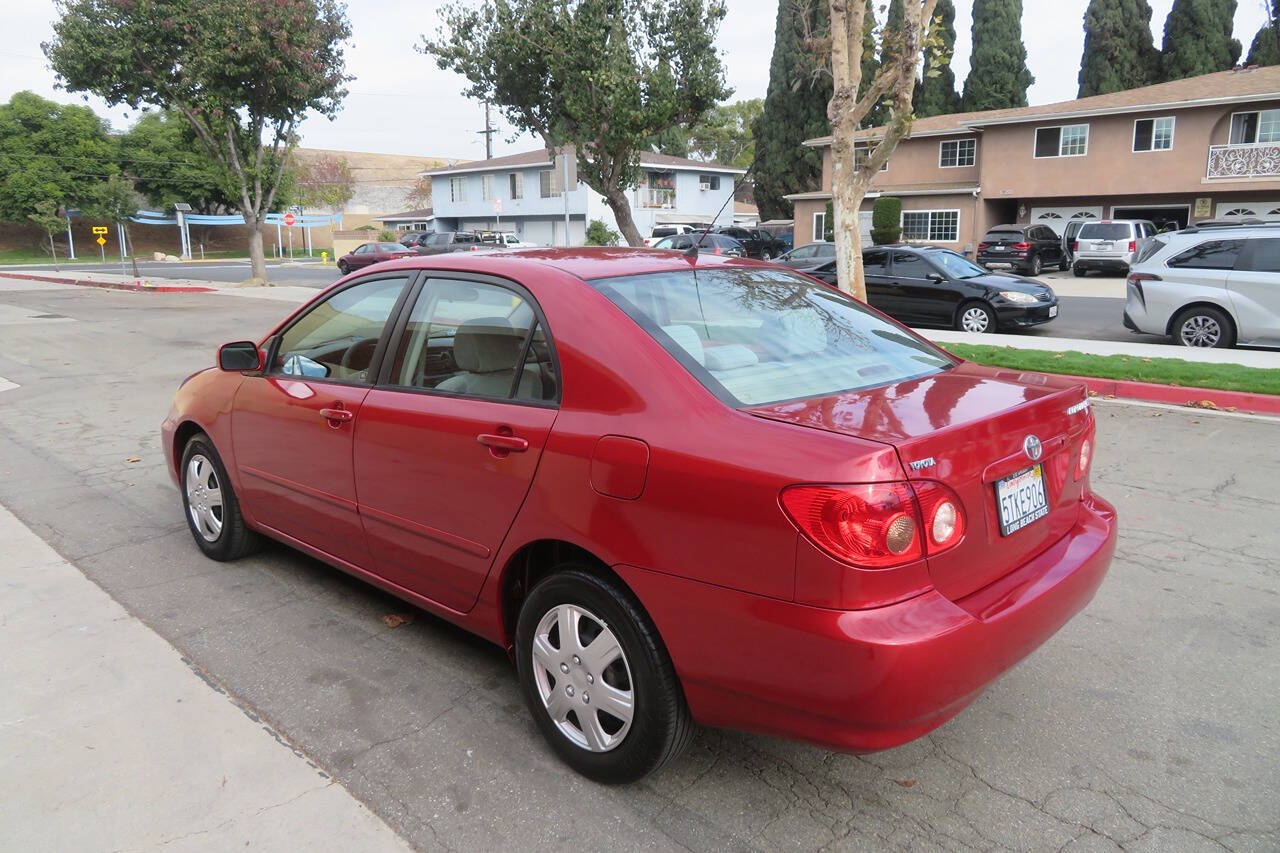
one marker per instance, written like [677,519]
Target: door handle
[336,416]
[509,443]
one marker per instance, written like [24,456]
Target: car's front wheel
[597,678]
[210,504]
[1064,263]
[343,268]
[766,255]
[976,317]
[1203,326]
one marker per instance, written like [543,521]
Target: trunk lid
[966,428]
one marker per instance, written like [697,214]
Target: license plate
[1021,499]
[1053,311]
[997,248]
[1102,246]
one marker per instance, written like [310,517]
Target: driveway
[1150,722]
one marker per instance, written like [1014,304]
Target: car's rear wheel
[210,505]
[976,317]
[597,678]
[1034,267]
[1078,271]
[1202,326]
[766,255]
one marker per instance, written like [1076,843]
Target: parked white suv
[661,232]
[1208,287]
[1110,245]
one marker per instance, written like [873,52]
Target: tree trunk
[257,258]
[621,207]
[128,247]
[848,189]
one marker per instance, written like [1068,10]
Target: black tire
[343,268]
[766,255]
[988,328]
[1199,322]
[1078,271]
[235,539]
[1034,267]
[1064,263]
[661,726]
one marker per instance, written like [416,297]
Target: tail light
[1075,245]
[1085,457]
[717,251]
[982,247]
[1133,245]
[1022,247]
[1136,279]
[877,525]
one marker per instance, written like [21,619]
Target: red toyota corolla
[677,490]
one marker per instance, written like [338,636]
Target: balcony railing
[662,197]
[1258,160]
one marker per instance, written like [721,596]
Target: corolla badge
[1032,447]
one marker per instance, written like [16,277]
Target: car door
[881,289]
[916,299]
[292,426]
[447,444]
[1254,290]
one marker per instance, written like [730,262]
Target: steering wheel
[360,346]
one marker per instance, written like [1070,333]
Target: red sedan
[676,490]
[367,254]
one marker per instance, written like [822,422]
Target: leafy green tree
[325,181]
[50,152]
[998,76]
[936,93]
[1265,49]
[168,164]
[724,135]
[116,200]
[1119,52]
[242,72]
[48,216]
[605,76]
[600,234]
[1197,38]
[795,109]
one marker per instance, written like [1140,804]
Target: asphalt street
[1093,318]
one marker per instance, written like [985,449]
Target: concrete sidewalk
[1249,358]
[110,741]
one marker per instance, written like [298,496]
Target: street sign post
[497,214]
[99,231]
[289,220]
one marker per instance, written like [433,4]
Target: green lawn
[1165,371]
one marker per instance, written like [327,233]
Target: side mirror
[935,277]
[241,355]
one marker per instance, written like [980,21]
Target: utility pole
[487,133]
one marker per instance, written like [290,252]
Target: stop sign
[288,219]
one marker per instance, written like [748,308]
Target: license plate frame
[1053,311]
[1016,513]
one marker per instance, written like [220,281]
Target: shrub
[600,234]
[386,235]
[886,220]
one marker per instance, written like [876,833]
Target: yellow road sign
[102,241]
[99,229]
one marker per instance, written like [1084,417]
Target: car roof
[584,262]
[1013,227]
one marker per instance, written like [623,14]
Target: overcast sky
[401,103]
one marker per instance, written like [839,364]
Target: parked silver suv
[1208,287]
[1109,245]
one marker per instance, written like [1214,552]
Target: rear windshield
[1106,231]
[757,336]
[1005,236]
[663,232]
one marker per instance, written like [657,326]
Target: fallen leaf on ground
[134,459]
[395,620]
[906,783]
[1203,404]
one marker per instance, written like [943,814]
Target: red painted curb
[135,287]
[1181,395]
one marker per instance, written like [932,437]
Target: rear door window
[1212,255]
[910,265]
[875,262]
[1261,255]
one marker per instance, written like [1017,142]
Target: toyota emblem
[1032,447]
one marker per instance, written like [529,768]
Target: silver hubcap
[583,677]
[204,498]
[1201,331]
[974,320]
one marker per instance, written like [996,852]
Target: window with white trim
[1068,140]
[486,187]
[942,226]
[862,154]
[1153,134]
[819,226]
[953,153]
[457,189]
[1253,127]
[516,180]
[544,184]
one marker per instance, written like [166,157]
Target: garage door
[1267,211]
[1058,217]
[540,232]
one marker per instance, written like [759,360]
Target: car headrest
[486,345]
[686,337]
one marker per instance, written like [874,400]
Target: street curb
[136,286]
[1180,395]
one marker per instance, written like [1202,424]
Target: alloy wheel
[975,319]
[1200,330]
[583,678]
[204,497]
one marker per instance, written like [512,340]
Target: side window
[337,338]
[477,340]
[908,265]
[875,262]
[1263,255]
[1213,255]
[361,250]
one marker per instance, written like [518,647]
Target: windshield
[957,266]
[1105,231]
[757,335]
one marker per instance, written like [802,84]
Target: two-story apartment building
[518,193]
[1201,148]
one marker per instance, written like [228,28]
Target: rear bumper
[1101,264]
[868,680]
[1012,260]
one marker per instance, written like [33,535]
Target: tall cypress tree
[1265,49]
[1197,38]
[795,109]
[998,76]
[1119,52]
[936,95]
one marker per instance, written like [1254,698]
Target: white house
[515,193]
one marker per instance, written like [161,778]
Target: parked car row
[750,242]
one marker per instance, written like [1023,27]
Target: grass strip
[1163,371]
